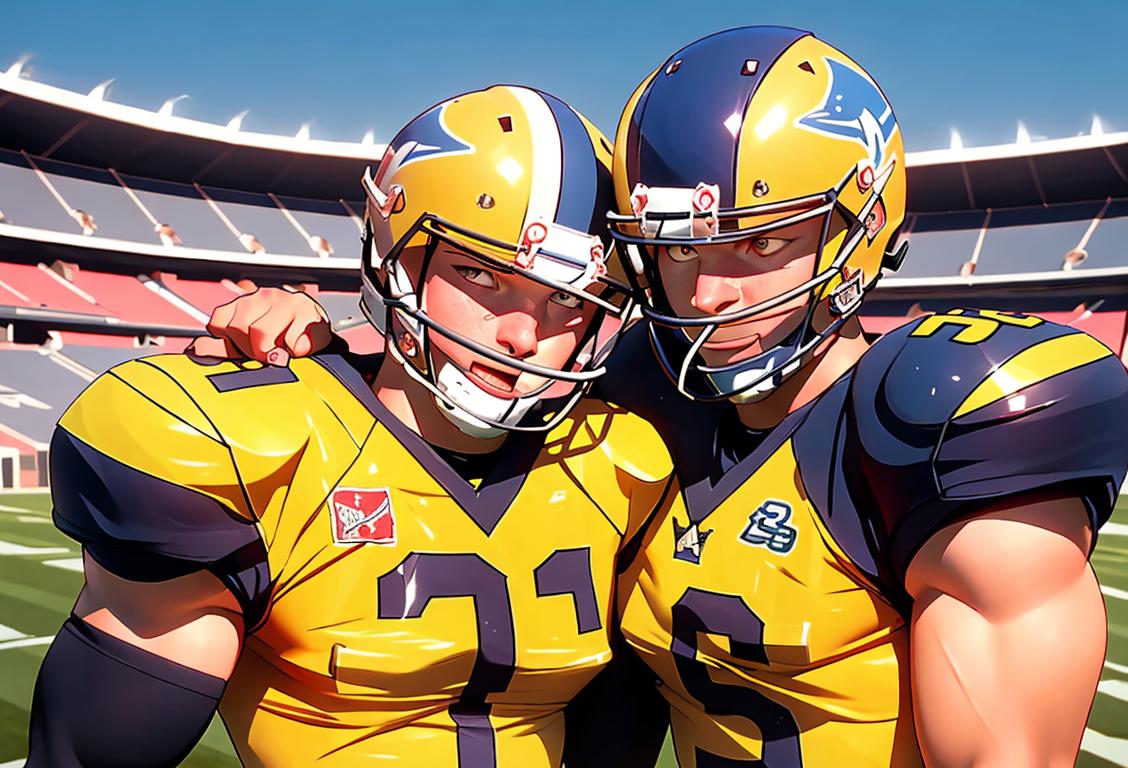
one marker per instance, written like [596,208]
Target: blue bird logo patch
[853,109]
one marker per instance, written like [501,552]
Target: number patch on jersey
[768,527]
[976,328]
[406,591]
[699,611]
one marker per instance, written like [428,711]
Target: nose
[517,334]
[715,294]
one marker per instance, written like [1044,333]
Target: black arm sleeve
[619,719]
[100,701]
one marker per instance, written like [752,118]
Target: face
[710,280]
[506,312]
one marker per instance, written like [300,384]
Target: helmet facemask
[552,256]
[678,339]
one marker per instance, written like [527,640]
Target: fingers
[207,346]
[265,332]
[234,320]
[268,325]
[308,333]
[221,317]
[278,357]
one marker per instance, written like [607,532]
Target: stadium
[120,230]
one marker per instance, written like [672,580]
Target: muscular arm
[1007,637]
[135,675]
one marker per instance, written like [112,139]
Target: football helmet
[734,136]
[520,181]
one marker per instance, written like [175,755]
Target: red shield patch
[362,516]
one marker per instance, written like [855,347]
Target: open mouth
[494,377]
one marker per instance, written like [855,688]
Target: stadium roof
[85,129]
[1082,168]
[88,130]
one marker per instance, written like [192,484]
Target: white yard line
[1117,667]
[5,508]
[8,548]
[1119,594]
[1117,689]
[1105,747]
[7,633]
[14,764]
[32,519]
[67,564]
[25,642]
[1116,529]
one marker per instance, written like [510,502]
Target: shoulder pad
[957,409]
[617,457]
[165,464]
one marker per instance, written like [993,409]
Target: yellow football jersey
[396,614]
[772,605]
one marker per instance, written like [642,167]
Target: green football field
[40,573]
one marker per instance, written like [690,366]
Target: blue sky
[347,67]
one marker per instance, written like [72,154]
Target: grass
[36,595]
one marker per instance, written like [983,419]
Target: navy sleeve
[143,528]
[950,415]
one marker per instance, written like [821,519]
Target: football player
[883,542]
[878,533]
[407,560]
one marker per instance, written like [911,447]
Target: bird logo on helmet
[518,180]
[737,135]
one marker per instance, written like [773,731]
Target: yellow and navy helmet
[739,133]
[521,181]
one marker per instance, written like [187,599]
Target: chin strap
[468,407]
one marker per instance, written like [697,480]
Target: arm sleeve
[942,429]
[100,701]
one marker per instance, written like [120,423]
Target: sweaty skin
[983,623]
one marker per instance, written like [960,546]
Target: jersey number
[974,329]
[700,611]
[431,575]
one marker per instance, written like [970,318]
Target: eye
[769,246]
[565,299]
[477,276]
[682,252]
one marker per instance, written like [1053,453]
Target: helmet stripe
[547,155]
[578,187]
[692,117]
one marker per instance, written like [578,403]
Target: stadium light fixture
[303,133]
[236,123]
[166,108]
[98,92]
[1073,259]
[16,70]
[956,142]
[1022,136]
[1096,129]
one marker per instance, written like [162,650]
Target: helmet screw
[485,201]
[760,188]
